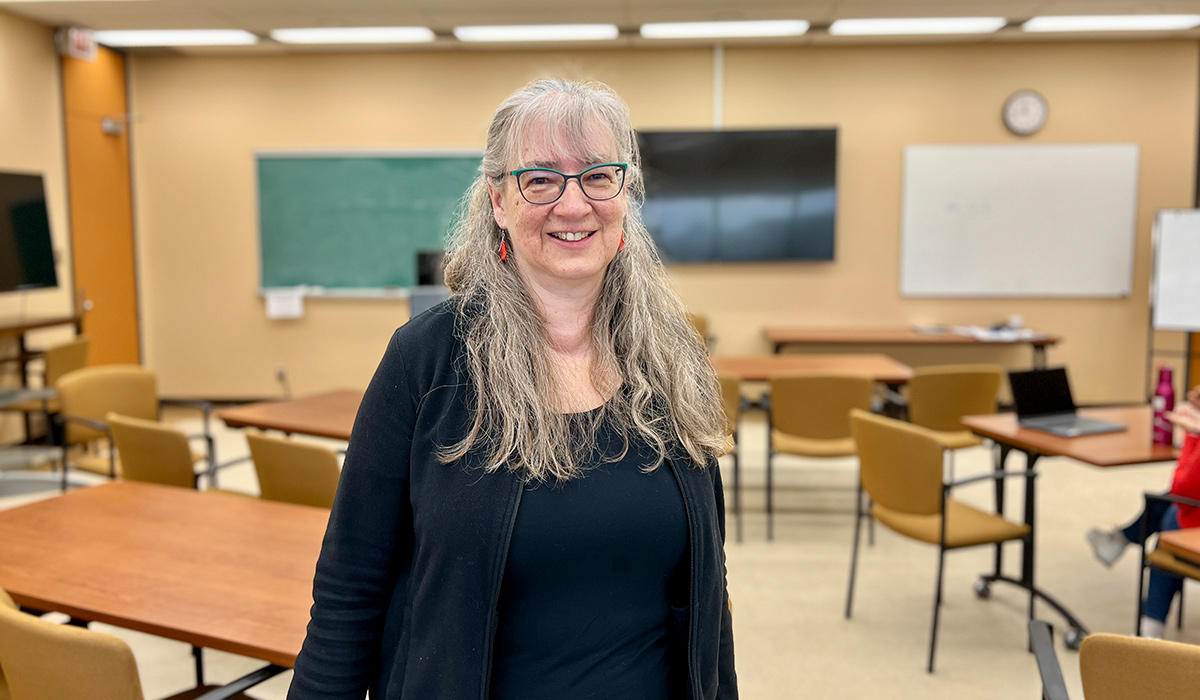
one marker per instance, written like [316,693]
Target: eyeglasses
[544,186]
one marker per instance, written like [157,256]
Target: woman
[530,505]
[1160,516]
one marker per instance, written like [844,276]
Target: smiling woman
[530,506]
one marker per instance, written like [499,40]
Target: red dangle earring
[503,251]
[621,245]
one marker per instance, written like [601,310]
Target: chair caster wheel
[983,589]
[1073,639]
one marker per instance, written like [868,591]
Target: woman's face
[538,233]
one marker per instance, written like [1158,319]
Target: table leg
[1039,357]
[1075,636]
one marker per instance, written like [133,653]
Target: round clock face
[1025,112]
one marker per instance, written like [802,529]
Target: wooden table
[1184,544]
[759,368]
[211,569]
[329,415]
[781,336]
[1130,446]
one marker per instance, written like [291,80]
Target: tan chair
[939,396]
[59,360]
[294,472]
[700,323]
[900,469]
[809,416]
[731,398]
[1116,667]
[1162,559]
[46,661]
[86,398]
[154,452]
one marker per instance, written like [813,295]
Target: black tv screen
[26,253]
[715,196]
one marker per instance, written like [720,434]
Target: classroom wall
[200,120]
[31,140]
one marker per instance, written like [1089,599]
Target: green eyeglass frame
[621,168]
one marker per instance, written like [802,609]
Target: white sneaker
[1152,629]
[1107,545]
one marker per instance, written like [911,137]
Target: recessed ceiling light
[538,32]
[716,30]
[917,25]
[1111,23]
[353,35]
[176,37]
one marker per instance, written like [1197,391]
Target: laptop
[1043,401]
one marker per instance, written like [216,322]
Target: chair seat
[812,447]
[99,463]
[965,526]
[1169,562]
[957,439]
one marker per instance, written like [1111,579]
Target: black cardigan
[408,580]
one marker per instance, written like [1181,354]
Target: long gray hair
[668,394]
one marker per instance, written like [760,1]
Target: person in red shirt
[1108,545]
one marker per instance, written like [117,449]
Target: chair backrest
[65,358]
[93,392]
[292,471]
[939,396]
[1116,667]
[900,464]
[151,451]
[818,405]
[46,661]
[731,397]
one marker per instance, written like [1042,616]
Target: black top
[585,599]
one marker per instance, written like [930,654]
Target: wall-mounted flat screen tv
[26,253]
[741,196]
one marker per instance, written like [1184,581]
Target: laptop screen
[1041,391]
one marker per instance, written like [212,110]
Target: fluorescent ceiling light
[715,30]
[538,32]
[1111,23]
[917,25]
[353,35]
[176,37]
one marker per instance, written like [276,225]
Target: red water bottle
[1163,401]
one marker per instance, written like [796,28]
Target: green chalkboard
[355,222]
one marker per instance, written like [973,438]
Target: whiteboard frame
[1180,311]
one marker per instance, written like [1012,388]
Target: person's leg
[1154,512]
[1163,586]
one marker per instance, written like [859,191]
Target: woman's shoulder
[429,343]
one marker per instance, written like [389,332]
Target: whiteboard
[1175,293]
[1019,221]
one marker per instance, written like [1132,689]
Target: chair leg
[937,605]
[198,653]
[770,500]
[1179,619]
[858,516]
[870,523]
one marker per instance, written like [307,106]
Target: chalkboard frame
[315,287]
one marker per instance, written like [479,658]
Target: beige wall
[200,120]
[31,140]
